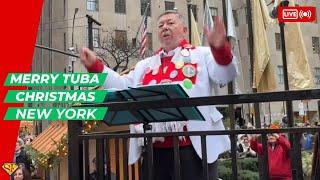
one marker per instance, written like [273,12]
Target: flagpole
[224,13]
[230,86]
[142,20]
[294,139]
[263,161]
[189,18]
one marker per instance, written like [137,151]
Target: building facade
[64,24]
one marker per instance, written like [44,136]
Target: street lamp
[74,17]
[72,49]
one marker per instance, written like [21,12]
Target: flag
[195,37]
[299,73]
[207,22]
[263,75]
[231,33]
[143,37]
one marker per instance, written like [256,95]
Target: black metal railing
[117,168]
[103,149]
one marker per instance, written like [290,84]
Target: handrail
[199,133]
[211,100]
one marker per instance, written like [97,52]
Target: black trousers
[190,165]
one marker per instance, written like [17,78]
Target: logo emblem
[297,14]
[10,167]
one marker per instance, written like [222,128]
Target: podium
[146,116]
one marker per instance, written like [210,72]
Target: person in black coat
[20,155]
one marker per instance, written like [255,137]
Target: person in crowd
[20,155]
[22,173]
[244,148]
[307,141]
[278,155]
[28,139]
[196,69]
[93,174]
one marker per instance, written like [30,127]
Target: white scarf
[176,126]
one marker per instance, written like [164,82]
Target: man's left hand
[217,36]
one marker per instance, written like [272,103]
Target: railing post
[108,161]
[86,161]
[125,159]
[75,148]
[149,158]
[264,159]
[204,157]
[176,157]
[116,140]
[100,159]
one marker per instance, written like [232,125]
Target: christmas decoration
[51,158]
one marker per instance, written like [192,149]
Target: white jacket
[208,72]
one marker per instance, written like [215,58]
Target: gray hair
[20,141]
[180,16]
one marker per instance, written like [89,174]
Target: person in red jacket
[278,156]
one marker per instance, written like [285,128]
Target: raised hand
[87,57]
[217,36]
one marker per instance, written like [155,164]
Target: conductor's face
[171,31]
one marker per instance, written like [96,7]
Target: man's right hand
[87,57]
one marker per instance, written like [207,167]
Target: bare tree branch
[117,52]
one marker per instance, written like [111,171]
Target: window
[194,11]
[121,39]
[93,5]
[134,42]
[149,36]
[168,5]
[143,5]
[214,12]
[235,17]
[278,41]
[120,6]
[280,74]
[315,45]
[317,75]
[96,37]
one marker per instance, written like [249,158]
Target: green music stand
[146,116]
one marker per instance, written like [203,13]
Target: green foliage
[248,175]
[51,158]
[224,172]
[307,162]
[247,169]
[249,164]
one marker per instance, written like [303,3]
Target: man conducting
[196,69]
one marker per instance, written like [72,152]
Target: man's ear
[185,30]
